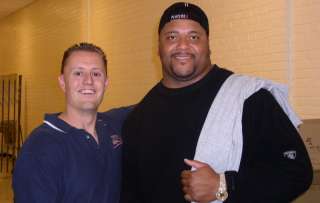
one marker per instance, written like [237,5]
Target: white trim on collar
[53,126]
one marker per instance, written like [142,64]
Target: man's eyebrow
[170,32]
[77,67]
[175,32]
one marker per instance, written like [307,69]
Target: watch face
[222,195]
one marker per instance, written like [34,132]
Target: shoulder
[43,140]
[262,107]
[42,151]
[261,96]
[116,116]
[117,113]
[263,100]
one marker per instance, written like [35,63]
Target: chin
[183,71]
[184,75]
[89,107]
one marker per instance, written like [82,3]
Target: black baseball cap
[183,10]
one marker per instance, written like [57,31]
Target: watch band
[222,193]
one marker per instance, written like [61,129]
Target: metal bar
[2,128]
[14,131]
[8,126]
[20,138]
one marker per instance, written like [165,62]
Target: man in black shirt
[268,163]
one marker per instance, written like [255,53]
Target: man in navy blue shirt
[74,156]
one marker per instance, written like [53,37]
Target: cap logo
[179,16]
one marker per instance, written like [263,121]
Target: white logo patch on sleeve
[290,154]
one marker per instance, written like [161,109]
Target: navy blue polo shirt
[60,163]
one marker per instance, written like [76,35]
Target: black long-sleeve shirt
[164,129]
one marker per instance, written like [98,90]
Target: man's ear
[62,82]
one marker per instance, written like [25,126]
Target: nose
[182,43]
[88,78]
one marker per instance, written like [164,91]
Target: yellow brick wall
[276,39]
[127,31]
[251,37]
[306,57]
[32,43]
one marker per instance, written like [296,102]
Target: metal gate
[10,121]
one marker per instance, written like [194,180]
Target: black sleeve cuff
[231,183]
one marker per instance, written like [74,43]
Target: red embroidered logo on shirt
[116,141]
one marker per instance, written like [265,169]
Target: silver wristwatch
[222,193]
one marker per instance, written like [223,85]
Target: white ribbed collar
[53,126]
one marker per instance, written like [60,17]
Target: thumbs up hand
[201,184]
